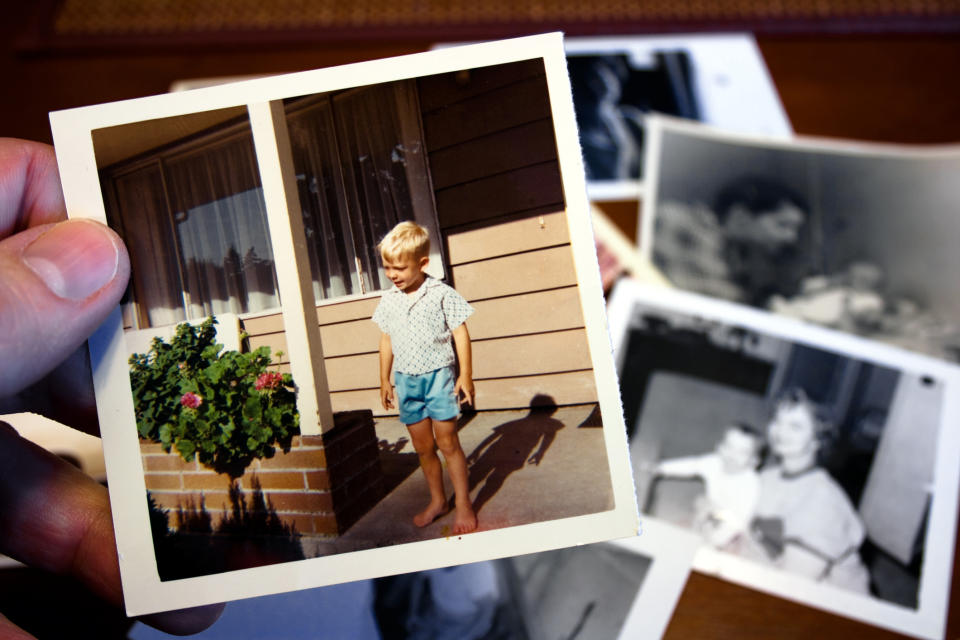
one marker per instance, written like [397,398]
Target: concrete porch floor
[572,477]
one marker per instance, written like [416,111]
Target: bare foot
[464,520]
[433,511]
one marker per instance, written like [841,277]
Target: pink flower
[268,381]
[191,400]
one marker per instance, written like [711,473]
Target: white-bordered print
[849,235]
[478,144]
[815,465]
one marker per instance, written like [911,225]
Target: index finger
[57,518]
[30,193]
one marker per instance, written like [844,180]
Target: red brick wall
[321,486]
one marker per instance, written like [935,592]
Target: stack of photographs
[262,203]
[789,410]
[791,398]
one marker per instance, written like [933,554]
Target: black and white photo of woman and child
[806,460]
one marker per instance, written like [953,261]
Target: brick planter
[321,486]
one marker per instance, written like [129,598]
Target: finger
[30,191]
[59,283]
[56,518]
[65,395]
[10,631]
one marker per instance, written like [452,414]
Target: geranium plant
[223,407]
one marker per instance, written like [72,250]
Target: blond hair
[407,239]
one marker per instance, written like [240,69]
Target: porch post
[285,222]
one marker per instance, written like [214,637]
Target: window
[194,220]
[361,169]
[193,213]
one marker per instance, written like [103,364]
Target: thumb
[58,282]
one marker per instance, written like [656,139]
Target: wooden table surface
[899,88]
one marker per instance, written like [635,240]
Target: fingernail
[75,259]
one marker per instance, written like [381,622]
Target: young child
[418,317]
[731,481]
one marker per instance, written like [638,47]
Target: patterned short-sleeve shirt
[421,325]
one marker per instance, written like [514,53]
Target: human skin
[429,435]
[792,437]
[58,281]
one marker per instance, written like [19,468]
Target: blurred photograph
[798,458]
[618,81]
[853,237]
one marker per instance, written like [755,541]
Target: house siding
[500,204]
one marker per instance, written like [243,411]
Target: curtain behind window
[373,158]
[146,229]
[220,220]
[196,226]
[360,167]
[320,184]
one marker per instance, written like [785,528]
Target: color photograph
[358,319]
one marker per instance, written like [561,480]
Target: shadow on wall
[250,536]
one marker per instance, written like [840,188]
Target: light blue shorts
[426,395]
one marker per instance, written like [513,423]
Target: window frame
[135,312]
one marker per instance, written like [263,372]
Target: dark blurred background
[881,71]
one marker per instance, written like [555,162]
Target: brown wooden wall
[493,162]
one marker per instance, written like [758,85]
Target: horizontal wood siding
[505,238]
[557,351]
[514,315]
[490,143]
[486,157]
[527,188]
[486,113]
[493,162]
[444,89]
[576,387]
[516,274]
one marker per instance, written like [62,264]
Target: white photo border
[143,591]
[671,550]
[930,617]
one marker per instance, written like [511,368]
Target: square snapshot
[364,333]
[813,465]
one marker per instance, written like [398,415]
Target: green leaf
[251,409]
[234,421]
[214,372]
[186,449]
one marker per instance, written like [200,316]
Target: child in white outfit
[731,483]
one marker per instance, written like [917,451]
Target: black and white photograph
[621,589]
[618,82]
[852,236]
[809,463]
[265,431]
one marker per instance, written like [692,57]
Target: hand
[464,386]
[58,282]
[535,458]
[386,395]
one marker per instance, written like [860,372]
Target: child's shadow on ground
[511,446]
